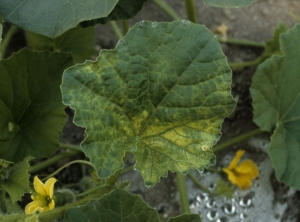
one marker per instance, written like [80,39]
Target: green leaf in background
[229,3]
[163,94]
[119,205]
[31,112]
[276,104]
[8,207]
[186,218]
[16,181]
[53,18]
[80,42]
[125,9]
[273,46]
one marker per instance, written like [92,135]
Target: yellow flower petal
[49,186]
[42,199]
[241,175]
[39,186]
[236,159]
[34,205]
[51,204]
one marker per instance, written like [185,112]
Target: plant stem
[183,194]
[203,188]
[10,33]
[241,42]
[66,165]
[167,9]
[127,169]
[36,168]
[125,26]
[191,10]
[70,146]
[242,65]
[237,140]
[91,190]
[116,29]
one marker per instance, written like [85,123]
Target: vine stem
[191,10]
[125,26]
[36,168]
[167,9]
[241,42]
[66,165]
[242,65]
[10,33]
[236,140]
[116,29]
[203,188]
[183,193]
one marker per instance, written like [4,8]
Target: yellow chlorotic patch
[43,198]
[241,174]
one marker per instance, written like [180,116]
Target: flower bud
[63,197]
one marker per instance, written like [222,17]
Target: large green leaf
[31,112]
[119,205]
[16,181]
[276,103]
[125,9]
[162,93]
[52,18]
[186,218]
[78,41]
[229,3]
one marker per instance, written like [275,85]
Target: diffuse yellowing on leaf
[241,174]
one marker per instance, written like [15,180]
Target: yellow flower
[43,199]
[241,175]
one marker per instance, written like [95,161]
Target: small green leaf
[229,3]
[276,104]
[223,189]
[31,112]
[53,18]
[161,94]
[125,9]
[16,182]
[78,41]
[5,164]
[186,218]
[273,46]
[119,205]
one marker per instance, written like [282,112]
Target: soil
[255,23]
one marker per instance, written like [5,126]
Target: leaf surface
[80,42]
[53,18]
[186,218]
[125,9]
[16,182]
[276,104]
[161,94]
[119,205]
[229,3]
[273,45]
[31,112]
